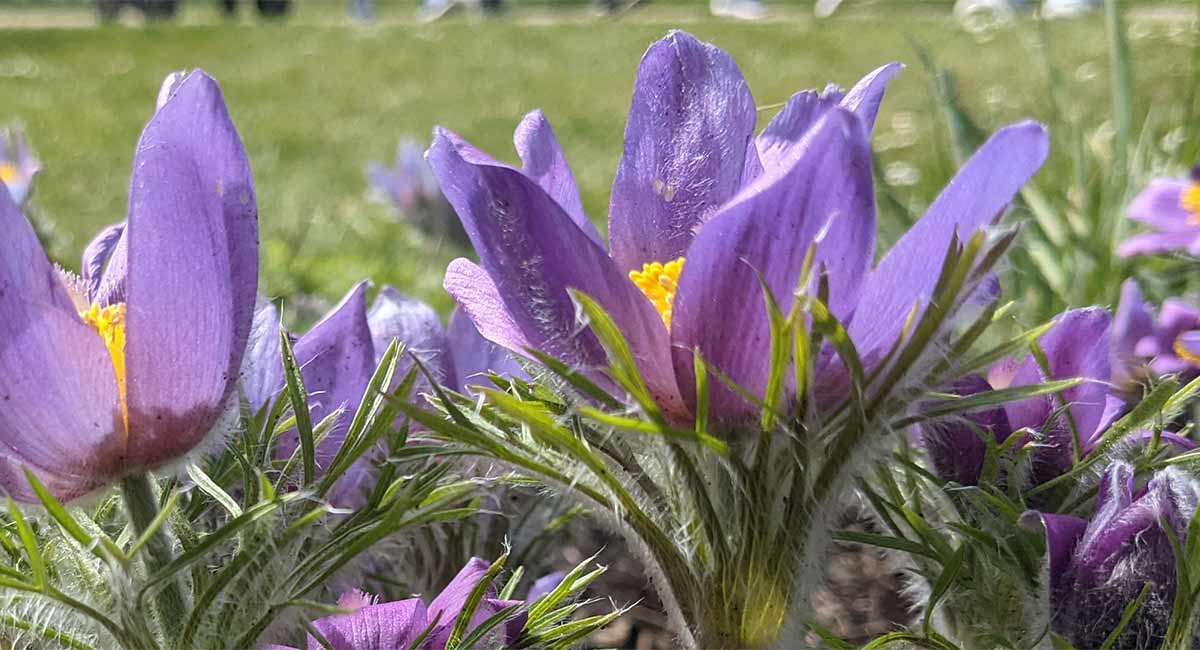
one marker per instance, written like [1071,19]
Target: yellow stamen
[8,173]
[1182,351]
[1190,201]
[659,281]
[110,323]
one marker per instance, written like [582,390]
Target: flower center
[659,281]
[1187,347]
[8,173]
[1190,201]
[110,323]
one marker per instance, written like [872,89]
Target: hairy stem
[143,508]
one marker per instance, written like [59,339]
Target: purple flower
[129,367]
[410,186]
[399,624]
[1077,346]
[338,356]
[1170,346]
[695,183]
[1098,567]
[18,167]
[1171,206]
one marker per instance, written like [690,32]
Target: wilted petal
[823,197]
[545,162]
[975,198]
[192,272]
[534,253]
[385,626]
[690,125]
[262,368]
[1160,206]
[59,410]
[96,255]
[475,356]
[396,317]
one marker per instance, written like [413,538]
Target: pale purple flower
[18,166]
[338,356]
[1171,207]
[411,188]
[129,367]
[1169,344]
[399,624]
[1098,566]
[695,183]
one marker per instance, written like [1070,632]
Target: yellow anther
[1190,201]
[8,173]
[1183,352]
[110,323]
[659,281]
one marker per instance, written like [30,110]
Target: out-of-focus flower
[1077,346]
[410,186]
[695,184]
[400,624]
[338,356]
[1098,566]
[18,166]
[129,367]
[1170,206]
[1170,345]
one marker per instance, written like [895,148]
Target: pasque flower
[18,166]
[701,210]
[129,367]
[1169,344]
[1076,346]
[1099,566]
[1170,206]
[399,624]
[410,186]
[338,356]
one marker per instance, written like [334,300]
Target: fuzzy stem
[143,508]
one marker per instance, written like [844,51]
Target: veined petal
[479,298]
[866,95]
[825,197]
[534,253]
[384,626]
[690,125]
[262,367]
[192,239]
[59,408]
[475,356]
[96,256]
[545,162]
[394,316]
[975,198]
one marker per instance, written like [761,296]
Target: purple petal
[690,125]
[479,298]
[824,196]
[534,253]
[96,255]
[1187,346]
[262,367]
[1062,535]
[110,287]
[954,446]
[386,626]
[450,602]
[169,87]
[417,326]
[193,272]
[336,361]
[1155,242]
[475,356]
[866,95]
[60,413]
[1077,346]
[545,162]
[544,585]
[975,198]
[1159,205]
[1131,324]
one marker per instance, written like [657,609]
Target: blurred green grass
[315,100]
